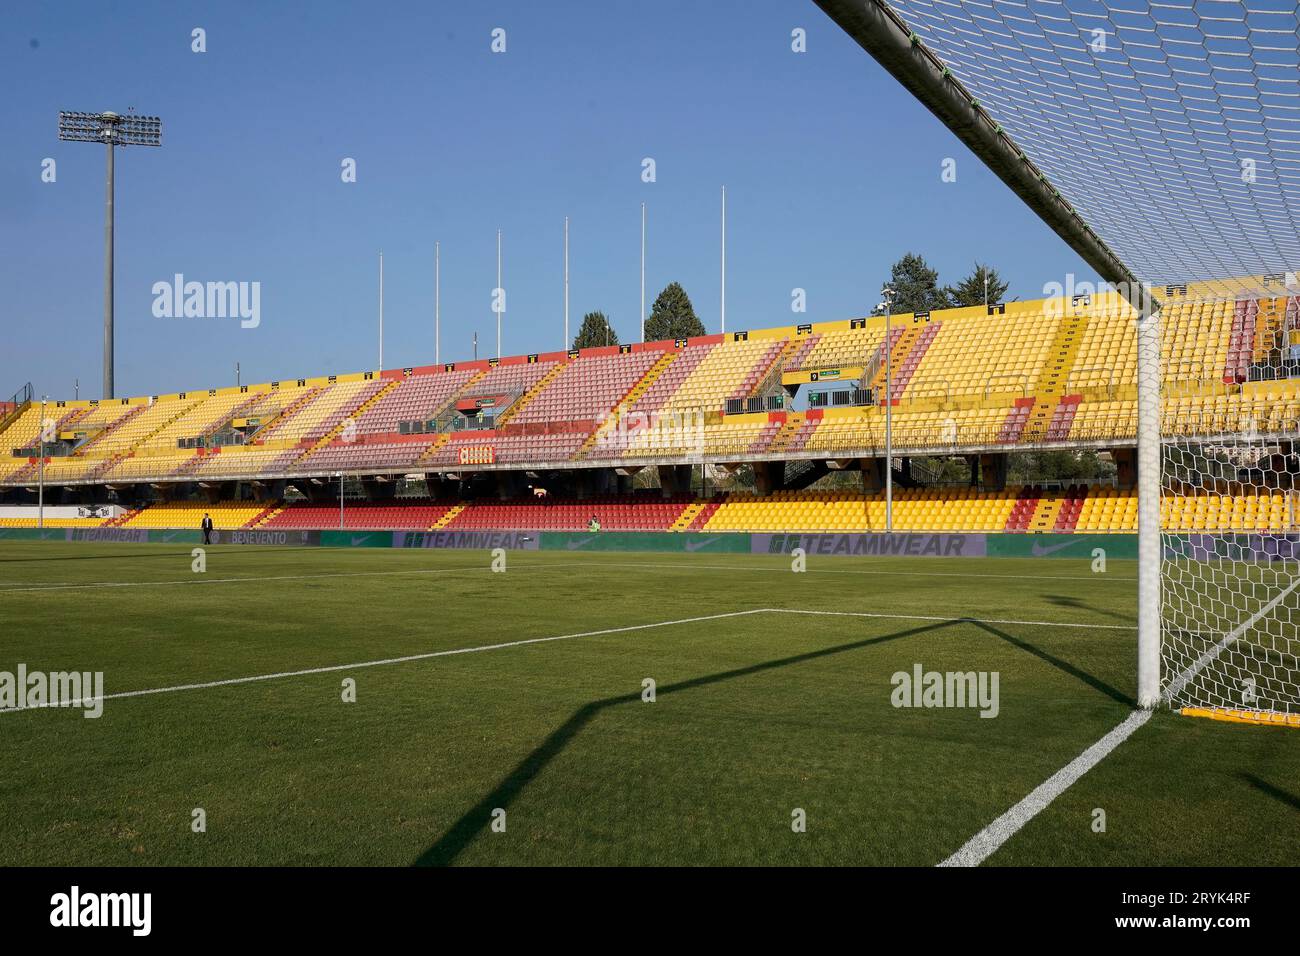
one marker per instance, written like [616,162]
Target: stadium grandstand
[794,404]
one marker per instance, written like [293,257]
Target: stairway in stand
[447,518]
[352,416]
[1053,409]
[624,404]
[522,401]
[266,515]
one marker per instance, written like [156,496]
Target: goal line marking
[25,587]
[20,587]
[1176,686]
[1107,578]
[983,844]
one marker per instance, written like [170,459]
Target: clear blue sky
[832,171]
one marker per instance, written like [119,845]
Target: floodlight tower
[111,130]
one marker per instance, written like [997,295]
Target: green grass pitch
[755,715]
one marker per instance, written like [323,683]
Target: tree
[672,316]
[1036,466]
[916,286]
[595,331]
[970,290]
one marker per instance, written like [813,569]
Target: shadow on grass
[468,826]
[1277,793]
[1095,683]
[462,832]
[1061,600]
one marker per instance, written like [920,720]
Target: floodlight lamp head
[110,128]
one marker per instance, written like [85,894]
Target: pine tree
[970,290]
[595,331]
[916,286]
[672,316]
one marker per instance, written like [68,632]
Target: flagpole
[724,259]
[643,272]
[437,301]
[499,294]
[566,282]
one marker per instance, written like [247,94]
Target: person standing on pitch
[206,525]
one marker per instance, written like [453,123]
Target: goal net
[1230,573]
[1162,143]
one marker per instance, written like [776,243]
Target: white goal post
[1149,454]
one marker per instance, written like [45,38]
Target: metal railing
[17,404]
[919,389]
[1020,377]
[1078,369]
[1198,424]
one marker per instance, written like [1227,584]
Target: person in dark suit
[206,525]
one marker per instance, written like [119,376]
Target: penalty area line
[333,668]
[475,649]
[954,620]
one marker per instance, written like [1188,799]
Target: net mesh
[1231,513]
[1172,128]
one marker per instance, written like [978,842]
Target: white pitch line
[1096,578]
[979,847]
[560,637]
[92,585]
[257,578]
[955,620]
[392,660]
[1176,686]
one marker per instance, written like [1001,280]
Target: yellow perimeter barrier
[1267,717]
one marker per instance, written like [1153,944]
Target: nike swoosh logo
[1039,551]
[168,536]
[356,540]
[696,545]
[575,545]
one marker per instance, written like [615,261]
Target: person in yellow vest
[593,524]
